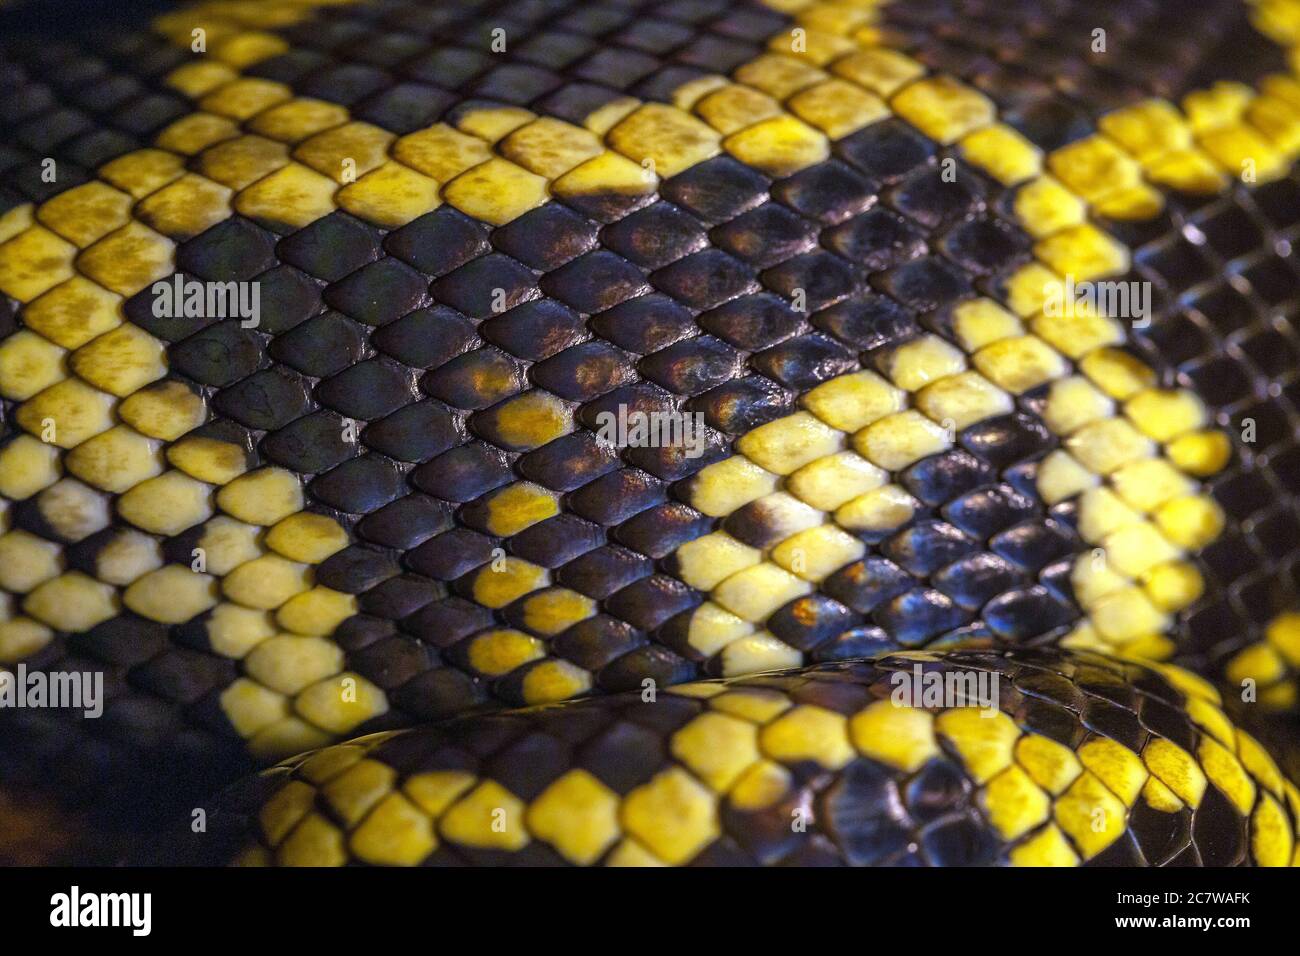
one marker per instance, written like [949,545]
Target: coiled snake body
[749,371]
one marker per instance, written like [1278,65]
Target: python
[430,592]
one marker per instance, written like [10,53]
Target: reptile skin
[382,526]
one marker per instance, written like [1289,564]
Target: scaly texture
[829,230]
[1084,760]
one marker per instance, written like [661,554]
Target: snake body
[599,425]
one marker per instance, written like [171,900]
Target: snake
[650,432]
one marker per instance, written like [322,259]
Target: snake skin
[403,515]
[1069,747]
